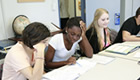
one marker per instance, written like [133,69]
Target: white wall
[36,11]
[2,30]
[113,6]
[136,5]
[128,8]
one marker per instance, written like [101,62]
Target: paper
[70,72]
[102,59]
[137,55]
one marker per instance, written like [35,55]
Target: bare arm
[128,37]
[36,72]
[84,44]
[49,57]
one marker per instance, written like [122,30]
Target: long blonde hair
[95,27]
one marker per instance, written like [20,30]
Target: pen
[79,64]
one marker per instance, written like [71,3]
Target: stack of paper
[70,72]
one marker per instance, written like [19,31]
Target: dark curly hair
[34,33]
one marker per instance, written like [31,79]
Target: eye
[78,36]
[103,19]
[107,18]
[72,34]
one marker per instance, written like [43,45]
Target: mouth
[73,41]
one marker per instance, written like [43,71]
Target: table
[123,67]
[119,69]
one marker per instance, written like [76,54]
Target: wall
[2,30]
[113,6]
[136,5]
[36,11]
[128,9]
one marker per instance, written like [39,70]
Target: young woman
[62,46]
[25,60]
[97,33]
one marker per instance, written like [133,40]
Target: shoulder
[130,20]
[89,30]
[56,40]
[16,51]
[58,35]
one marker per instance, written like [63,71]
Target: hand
[71,60]
[39,48]
[83,27]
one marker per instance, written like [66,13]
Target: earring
[66,31]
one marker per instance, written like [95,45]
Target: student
[129,29]
[62,46]
[25,60]
[97,33]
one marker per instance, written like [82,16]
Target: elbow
[90,55]
[125,38]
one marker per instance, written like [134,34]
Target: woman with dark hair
[25,60]
[62,46]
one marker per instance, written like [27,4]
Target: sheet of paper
[137,55]
[102,59]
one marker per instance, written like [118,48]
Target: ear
[66,30]
[139,17]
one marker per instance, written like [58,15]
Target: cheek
[100,23]
[108,21]
[69,36]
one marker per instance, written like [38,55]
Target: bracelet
[40,58]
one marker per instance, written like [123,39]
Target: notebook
[122,48]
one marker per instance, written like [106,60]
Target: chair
[113,35]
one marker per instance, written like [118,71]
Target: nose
[75,37]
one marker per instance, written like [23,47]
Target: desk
[123,67]
[119,69]
[128,56]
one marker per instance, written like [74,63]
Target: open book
[122,48]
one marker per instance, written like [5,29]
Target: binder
[5,45]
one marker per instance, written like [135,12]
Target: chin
[73,41]
[105,27]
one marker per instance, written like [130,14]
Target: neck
[28,50]
[66,38]
[101,31]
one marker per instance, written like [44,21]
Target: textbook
[122,48]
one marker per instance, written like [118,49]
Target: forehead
[75,29]
[104,15]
